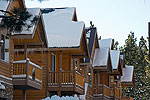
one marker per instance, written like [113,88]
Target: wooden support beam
[59,93]
[23,94]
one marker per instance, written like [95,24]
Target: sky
[113,18]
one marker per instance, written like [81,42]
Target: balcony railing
[115,92]
[66,78]
[101,89]
[25,68]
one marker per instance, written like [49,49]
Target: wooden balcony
[101,92]
[115,93]
[26,75]
[66,81]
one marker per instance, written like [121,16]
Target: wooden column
[123,92]
[23,94]
[103,86]
[60,74]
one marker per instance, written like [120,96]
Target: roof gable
[106,43]
[115,54]
[101,57]
[62,31]
[127,74]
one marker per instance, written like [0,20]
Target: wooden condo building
[59,56]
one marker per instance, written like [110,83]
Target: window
[53,67]
[33,73]
[53,62]
[5,48]
[75,64]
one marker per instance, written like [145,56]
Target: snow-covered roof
[101,56]
[105,43]
[61,30]
[127,74]
[3,6]
[34,12]
[114,55]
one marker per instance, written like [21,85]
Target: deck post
[23,94]
[60,75]
[103,86]
[123,92]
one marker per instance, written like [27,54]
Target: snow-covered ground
[55,97]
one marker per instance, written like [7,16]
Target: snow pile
[55,97]
[83,97]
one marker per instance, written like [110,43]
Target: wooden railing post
[74,74]
[27,69]
[42,73]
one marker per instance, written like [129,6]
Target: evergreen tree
[135,55]
[17,19]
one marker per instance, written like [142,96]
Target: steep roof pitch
[29,34]
[62,31]
[106,43]
[91,35]
[114,55]
[101,57]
